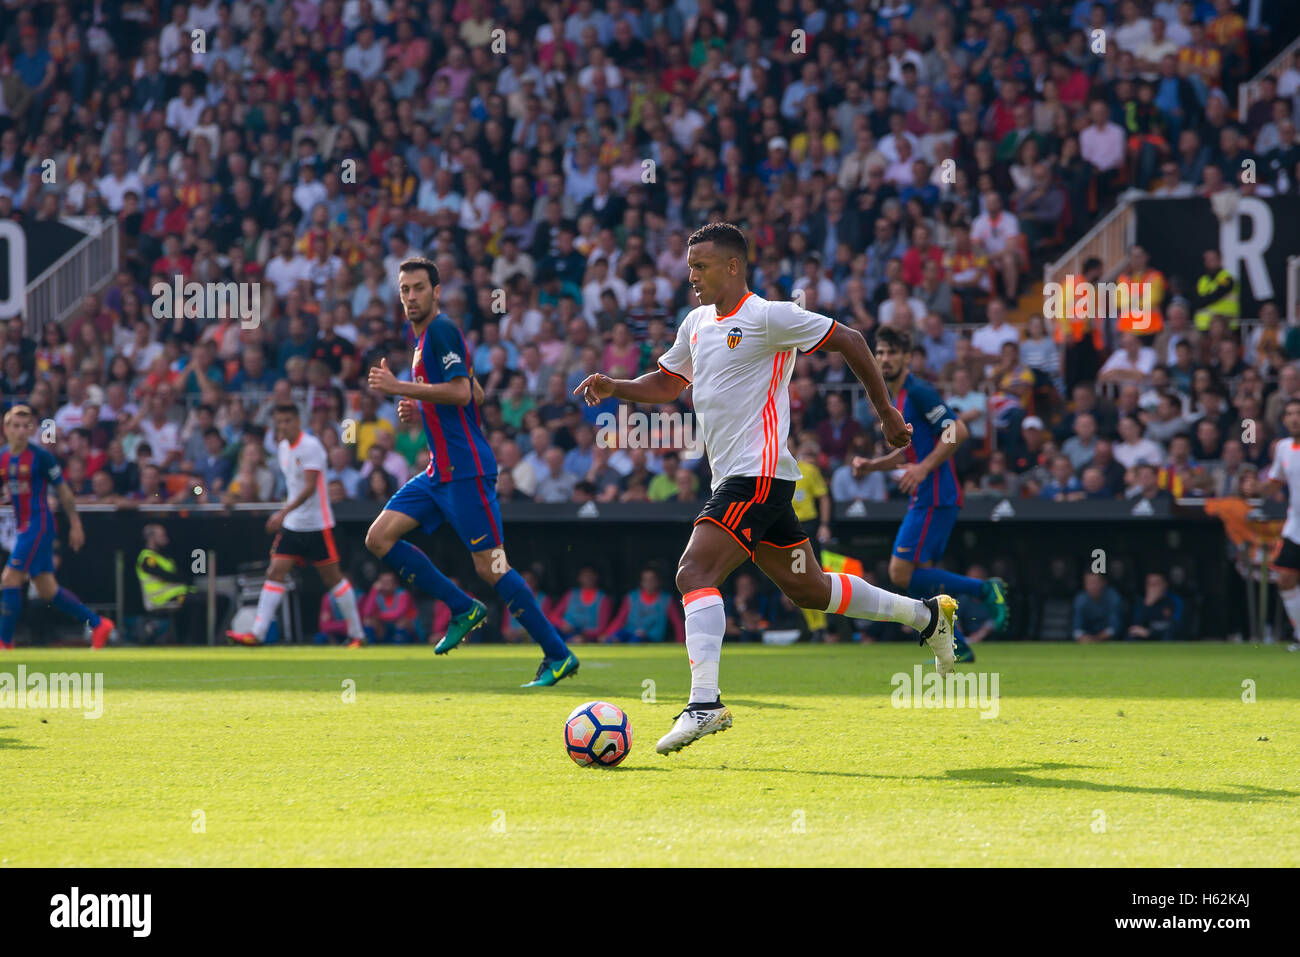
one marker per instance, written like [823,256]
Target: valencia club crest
[733,337]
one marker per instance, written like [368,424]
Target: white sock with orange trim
[858,598]
[346,598]
[267,604]
[706,623]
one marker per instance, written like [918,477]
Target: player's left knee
[378,543]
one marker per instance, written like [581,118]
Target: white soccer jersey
[295,460]
[740,365]
[1286,468]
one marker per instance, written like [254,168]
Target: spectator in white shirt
[287,267]
[1133,30]
[119,182]
[1131,362]
[1134,447]
[183,111]
[999,233]
[988,340]
[365,57]
[1102,142]
[309,190]
[600,281]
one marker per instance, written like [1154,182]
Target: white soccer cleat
[691,726]
[942,641]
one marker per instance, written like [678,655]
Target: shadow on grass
[1025,776]
[16,744]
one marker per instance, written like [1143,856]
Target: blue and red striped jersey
[28,475]
[457,448]
[926,412]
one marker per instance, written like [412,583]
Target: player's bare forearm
[858,356]
[652,388]
[69,503]
[886,462]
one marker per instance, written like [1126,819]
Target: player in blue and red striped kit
[459,486]
[931,480]
[28,472]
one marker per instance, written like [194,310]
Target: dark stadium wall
[1041,548]
[1255,242]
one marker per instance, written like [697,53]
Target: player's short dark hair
[896,339]
[286,408]
[726,236]
[422,262]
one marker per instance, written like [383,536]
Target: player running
[27,471]
[459,486]
[931,480]
[738,351]
[1285,471]
[303,530]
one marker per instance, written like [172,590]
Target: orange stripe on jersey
[734,311]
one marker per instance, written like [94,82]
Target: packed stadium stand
[921,165]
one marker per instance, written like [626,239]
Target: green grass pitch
[1099,755]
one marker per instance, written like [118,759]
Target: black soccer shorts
[754,510]
[302,548]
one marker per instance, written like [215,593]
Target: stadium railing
[86,268]
[1248,92]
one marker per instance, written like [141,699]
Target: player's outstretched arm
[652,388]
[857,354]
[76,534]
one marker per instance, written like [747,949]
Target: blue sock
[71,605]
[933,581]
[522,603]
[11,603]
[414,568]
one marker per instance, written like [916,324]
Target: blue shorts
[34,550]
[468,505]
[924,533]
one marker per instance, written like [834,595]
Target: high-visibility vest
[1127,320]
[1076,318]
[834,562]
[1227,305]
[159,593]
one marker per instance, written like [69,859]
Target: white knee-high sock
[346,598]
[858,598]
[267,604]
[706,622]
[1291,602]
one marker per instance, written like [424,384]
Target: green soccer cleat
[549,672]
[461,626]
[994,594]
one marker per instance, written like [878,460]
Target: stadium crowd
[909,164]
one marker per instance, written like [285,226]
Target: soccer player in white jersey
[738,351]
[1285,471]
[303,530]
